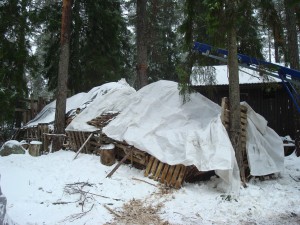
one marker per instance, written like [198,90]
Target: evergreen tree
[63,71]
[271,19]
[99,50]
[15,57]
[163,49]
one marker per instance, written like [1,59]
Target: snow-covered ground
[55,189]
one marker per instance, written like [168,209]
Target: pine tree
[15,58]
[100,49]
[271,19]
[163,47]
[63,71]
[232,9]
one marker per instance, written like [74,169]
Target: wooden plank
[169,175]
[82,136]
[175,175]
[244,109]
[243,139]
[164,173]
[148,168]
[73,140]
[94,143]
[180,177]
[77,140]
[158,171]
[154,167]
[83,145]
[243,120]
[226,120]
[119,164]
[224,107]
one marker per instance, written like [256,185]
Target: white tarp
[264,146]
[157,122]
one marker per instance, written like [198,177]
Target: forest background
[103,43]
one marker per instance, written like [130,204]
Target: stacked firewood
[103,120]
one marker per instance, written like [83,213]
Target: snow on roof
[246,76]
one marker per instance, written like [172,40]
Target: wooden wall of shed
[269,100]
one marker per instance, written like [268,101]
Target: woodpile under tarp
[169,175]
[225,120]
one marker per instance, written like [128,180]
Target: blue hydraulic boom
[289,77]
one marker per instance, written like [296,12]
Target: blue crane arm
[249,62]
[244,59]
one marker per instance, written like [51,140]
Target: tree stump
[108,155]
[34,148]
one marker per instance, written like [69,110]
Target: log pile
[170,175]
[137,157]
[103,120]
[78,139]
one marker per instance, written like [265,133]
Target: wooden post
[83,145]
[42,130]
[119,164]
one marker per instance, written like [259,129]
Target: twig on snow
[62,203]
[110,210]
[143,181]
[77,216]
[297,180]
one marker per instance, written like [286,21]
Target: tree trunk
[141,27]
[61,95]
[291,26]
[292,46]
[234,90]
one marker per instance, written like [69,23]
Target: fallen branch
[55,135]
[118,165]
[77,216]
[297,180]
[116,199]
[81,183]
[61,203]
[72,189]
[144,181]
[110,210]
